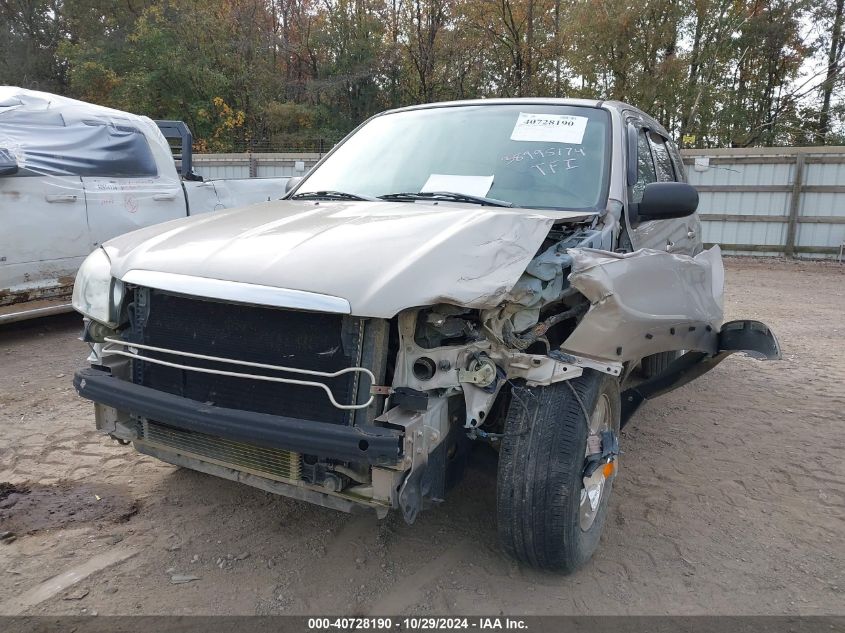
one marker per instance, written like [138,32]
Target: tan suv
[521,272]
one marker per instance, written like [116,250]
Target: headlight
[96,294]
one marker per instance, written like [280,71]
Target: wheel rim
[593,487]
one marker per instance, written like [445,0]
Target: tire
[653,365]
[541,463]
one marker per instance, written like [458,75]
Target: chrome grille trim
[237,291]
[133,353]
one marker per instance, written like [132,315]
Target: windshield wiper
[446,195]
[328,195]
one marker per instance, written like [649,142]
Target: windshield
[540,156]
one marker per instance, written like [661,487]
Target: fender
[752,338]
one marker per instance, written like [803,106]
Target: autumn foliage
[278,74]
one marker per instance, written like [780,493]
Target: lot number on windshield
[549,128]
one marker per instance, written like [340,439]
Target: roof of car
[589,103]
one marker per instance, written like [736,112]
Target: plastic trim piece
[237,291]
[749,337]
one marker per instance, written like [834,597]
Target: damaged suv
[520,272]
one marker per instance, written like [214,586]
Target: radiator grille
[305,340]
[271,462]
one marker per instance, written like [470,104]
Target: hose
[525,340]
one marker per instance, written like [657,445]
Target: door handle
[60,197]
[164,197]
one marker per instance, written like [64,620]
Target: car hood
[382,257]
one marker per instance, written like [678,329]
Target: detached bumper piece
[363,444]
[749,337]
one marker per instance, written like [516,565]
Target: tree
[30,34]
[250,73]
[836,52]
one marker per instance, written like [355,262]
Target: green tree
[254,73]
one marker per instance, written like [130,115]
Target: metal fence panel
[211,169]
[796,197]
[225,166]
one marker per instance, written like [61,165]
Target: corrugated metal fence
[254,165]
[771,200]
[756,201]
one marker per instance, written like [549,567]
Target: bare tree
[834,67]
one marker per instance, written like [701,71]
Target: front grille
[269,462]
[304,340]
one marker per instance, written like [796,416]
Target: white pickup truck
[73,175]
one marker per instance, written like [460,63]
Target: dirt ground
[731,500]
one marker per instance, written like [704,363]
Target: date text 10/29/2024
[416,624]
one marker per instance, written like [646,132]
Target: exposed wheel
[550,515]
[656,363]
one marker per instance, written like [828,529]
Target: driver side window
[645,167]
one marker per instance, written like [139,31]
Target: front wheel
[556,470]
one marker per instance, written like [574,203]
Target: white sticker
[469,185]
[549,128]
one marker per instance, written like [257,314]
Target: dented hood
[381,257]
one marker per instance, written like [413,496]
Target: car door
[650,153]
[131,192]
[43,235]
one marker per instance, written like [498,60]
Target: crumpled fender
[752,338]
[646,302]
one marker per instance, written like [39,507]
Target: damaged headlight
[96,294]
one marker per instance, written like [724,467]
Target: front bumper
[362,444]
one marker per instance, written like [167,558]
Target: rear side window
[645,167]
[44,144]
[677,161]
[662,160]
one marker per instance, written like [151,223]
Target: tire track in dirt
[51,587]
[408,591]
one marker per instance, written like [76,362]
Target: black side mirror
[291,183]
[666,200]
[8,163]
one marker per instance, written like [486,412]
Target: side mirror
[292,182]
[666,200]
[8,163]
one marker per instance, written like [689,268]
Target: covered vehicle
[75,174]
[521,272]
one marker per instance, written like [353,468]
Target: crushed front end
[281,399]
[377,412]
[315,403]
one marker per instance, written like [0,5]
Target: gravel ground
[731,500]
